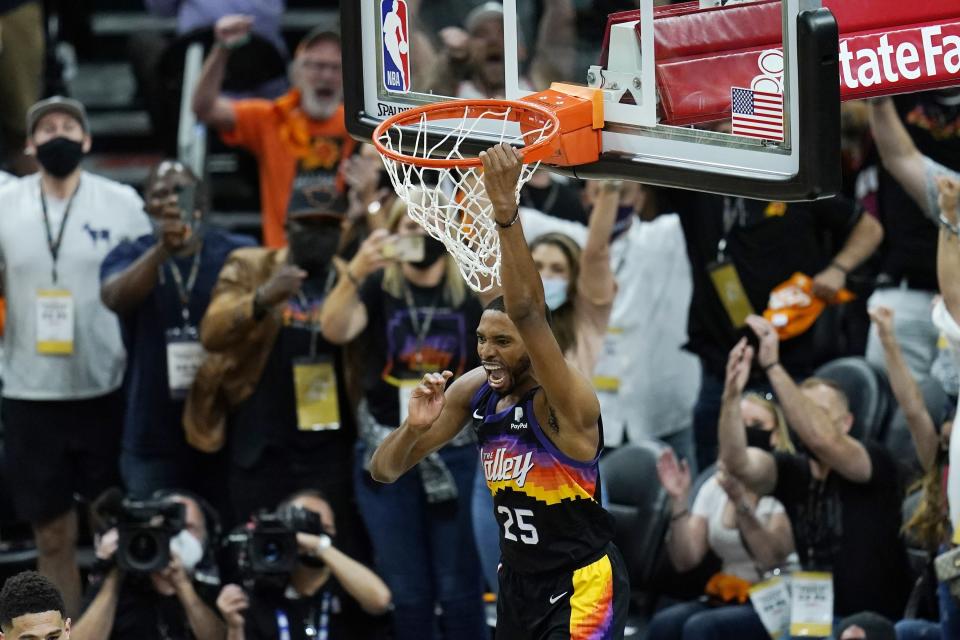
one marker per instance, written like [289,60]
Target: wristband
[323,543]
[839,268]
[767,368]
[951,228]
[513,220]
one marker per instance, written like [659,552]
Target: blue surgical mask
[555,292]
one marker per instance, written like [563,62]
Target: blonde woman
[411,313]
[750,534]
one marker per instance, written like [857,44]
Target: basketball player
[538,423]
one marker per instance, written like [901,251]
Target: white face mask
[555,292]
[188,549]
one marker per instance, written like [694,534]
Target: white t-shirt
[103,214]
[951,331]
[646,382]
[726,542]
[5,178]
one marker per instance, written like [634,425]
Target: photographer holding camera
[148,592]
[325,589]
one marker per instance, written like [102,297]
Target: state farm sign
[897,61]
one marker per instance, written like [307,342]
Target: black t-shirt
[910,237]
[392,349]
[268,418]
[143,614]
[329,608]
[767,242]
[851,529]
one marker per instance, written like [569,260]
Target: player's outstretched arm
[569,393]
[434,418]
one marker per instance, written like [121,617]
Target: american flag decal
[757,114]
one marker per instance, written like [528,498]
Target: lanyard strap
[54,245]
[318,625]
[185,291]
[420,330]
[314,625]
[314,321]
[323,624]
[734,215]
[283,625]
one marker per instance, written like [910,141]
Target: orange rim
[453,109]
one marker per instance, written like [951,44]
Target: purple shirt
[195,14]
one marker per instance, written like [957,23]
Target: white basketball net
[451,203]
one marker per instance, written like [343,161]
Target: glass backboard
[741,98]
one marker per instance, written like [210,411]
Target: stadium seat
[639,506]
[898,439]
[868,392]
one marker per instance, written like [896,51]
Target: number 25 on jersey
[528,532]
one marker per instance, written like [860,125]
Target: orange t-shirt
[299,158]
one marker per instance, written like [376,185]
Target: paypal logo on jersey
[395,56]
[500,467]
[517,417]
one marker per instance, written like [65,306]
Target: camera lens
[271,552]
[143,549]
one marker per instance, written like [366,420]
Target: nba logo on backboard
[396,45]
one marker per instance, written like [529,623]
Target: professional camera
[145,529]
[267,546]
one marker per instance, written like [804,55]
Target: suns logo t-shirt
[398,351]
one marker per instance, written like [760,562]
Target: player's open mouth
[496,374]
[323,94]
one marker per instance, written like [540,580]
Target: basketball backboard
[742,99]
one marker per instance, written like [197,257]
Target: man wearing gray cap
[63,358]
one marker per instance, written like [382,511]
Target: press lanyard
[314,626]
[733,216]
[314,324]
[184,292]
[54,245]
[283,625]
[420,330]
[320,631]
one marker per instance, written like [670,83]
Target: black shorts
[55,449]
[587,603]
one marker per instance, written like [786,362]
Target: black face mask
[312,247]
[60,156]
[433,250]
[759,439]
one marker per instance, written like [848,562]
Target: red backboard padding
[702,53]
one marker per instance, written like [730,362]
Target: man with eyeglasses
[300,139]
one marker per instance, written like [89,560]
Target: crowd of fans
[236,390]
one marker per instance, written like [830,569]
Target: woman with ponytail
[929,525]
